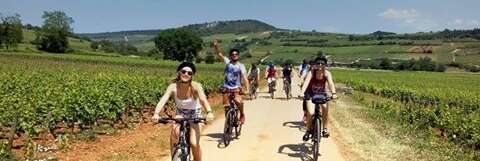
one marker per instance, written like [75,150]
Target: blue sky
[346,16]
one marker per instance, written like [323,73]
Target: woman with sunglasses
[316,81]
[189,98]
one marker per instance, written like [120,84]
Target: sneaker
[325,133]
[306,136]
[242,119]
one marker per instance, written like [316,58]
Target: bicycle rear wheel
[317,135]
[287,90]
[227,129]
[271,90]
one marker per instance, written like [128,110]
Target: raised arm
[216,46]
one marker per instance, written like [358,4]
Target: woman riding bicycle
[189,98]
[315,83]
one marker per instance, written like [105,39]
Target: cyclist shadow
[300,151]
[218,137]
[296,124]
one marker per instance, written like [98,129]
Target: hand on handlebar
[210,117]
[334,96]
[155,117]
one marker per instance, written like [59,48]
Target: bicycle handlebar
[165,120]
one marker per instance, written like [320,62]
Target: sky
[343,16]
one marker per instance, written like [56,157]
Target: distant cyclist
[316,82]
[253,77]
[287,74]
[189,98]
[235,77]
[271,75]
[303,68]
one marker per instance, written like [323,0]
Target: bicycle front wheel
[227,129]
[317,135]
[238,127]
[177,155]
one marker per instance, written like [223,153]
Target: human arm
[305,83]
[159,108]
[245,79]
[331,85]
[203,99]
[216,46]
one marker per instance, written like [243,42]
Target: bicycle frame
[182,145]
[231,120]
[287,87]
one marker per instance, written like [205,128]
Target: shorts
[309,94]
[189,113]
[226,95]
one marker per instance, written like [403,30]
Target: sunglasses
[190,73]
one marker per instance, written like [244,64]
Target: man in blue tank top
[235,77]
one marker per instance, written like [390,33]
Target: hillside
[203,29]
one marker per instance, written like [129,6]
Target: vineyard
[446,101]
[57,95]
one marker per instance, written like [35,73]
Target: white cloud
[410,18]
[400,14]
[458,21]
[462,24]
[475,23]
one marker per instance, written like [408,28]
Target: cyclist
[287,73]
[235,77]
[315,83]
[271,75]
[303,68]
[253,77]
[189,98]
[305,71]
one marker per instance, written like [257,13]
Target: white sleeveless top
[189,103]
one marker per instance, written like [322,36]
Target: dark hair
[187,64]
[254,65]
[321,59]
[234,50]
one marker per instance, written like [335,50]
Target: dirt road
[273,131]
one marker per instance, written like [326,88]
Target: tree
[11,32]
[178,44]
[385,63]
[53,37]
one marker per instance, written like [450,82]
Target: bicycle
[271,88]
[317,128]
[253,89]
[287,87]
[181,149]
[231,121]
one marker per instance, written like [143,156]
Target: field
[55,94]
[448,102]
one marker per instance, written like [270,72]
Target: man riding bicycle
[287,74]
[235,77]
[253,78]
[303,68]
[315,83]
